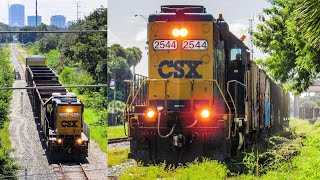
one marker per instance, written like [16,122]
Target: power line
[78,12]
[250,33]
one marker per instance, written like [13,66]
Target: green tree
[48,42]
[308,17]
[119,110]
[134,56]
[68,76]
[292,59]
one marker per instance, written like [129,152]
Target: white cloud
[238,29]
[141,36]
[113,38]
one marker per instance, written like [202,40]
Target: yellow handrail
[231,97]
[233,103]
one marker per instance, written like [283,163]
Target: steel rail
[63,172]
[117,140]
[84,172]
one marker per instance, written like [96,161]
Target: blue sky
[47,8]
[128,30]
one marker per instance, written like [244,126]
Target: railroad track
[118,140]
[70,171]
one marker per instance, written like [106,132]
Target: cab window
[235,54]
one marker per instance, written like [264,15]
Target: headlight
[150,113]
[79,141]
[205,113]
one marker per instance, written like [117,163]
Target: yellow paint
[67,118]
[180,89]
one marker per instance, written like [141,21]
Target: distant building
[32,20]
[69,23]
[58,20]
[16,15]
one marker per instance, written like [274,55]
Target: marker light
[180,32]
[59,141]
[183,32]
[79,141]
[69,110]
[150,113]
[205,113]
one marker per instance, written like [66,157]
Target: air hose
[158,127]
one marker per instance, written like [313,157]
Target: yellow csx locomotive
[59,112]
[194,102]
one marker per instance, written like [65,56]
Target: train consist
[59,112]
[203,96]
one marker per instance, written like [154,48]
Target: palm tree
[134,56]
[308,17]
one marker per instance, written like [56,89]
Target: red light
[205,113]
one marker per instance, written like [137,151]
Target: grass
[196,170]
[116,132]
[5,141]
[117,156]
[98,133]
[290,154]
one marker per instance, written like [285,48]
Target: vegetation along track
[71,171]
[118,140]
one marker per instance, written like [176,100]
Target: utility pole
[250,33]
[36,13]
[78,6]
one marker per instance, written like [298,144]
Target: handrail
[231,97]
[233,103]
[225,101]
[127,109]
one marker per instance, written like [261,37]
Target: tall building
[58,20]
[16,15]
[69,23]
[32,20]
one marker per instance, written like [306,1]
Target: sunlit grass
[116,132]
[5,141]
[303,163]
[196,170]
[117,156]
[97,133]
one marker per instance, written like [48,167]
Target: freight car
[59,112]
[203,96]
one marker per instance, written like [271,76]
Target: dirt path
[26,139]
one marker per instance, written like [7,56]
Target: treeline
[7,166]
[290,33]
[24,37]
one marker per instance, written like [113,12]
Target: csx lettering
[179,71]
[69,124]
